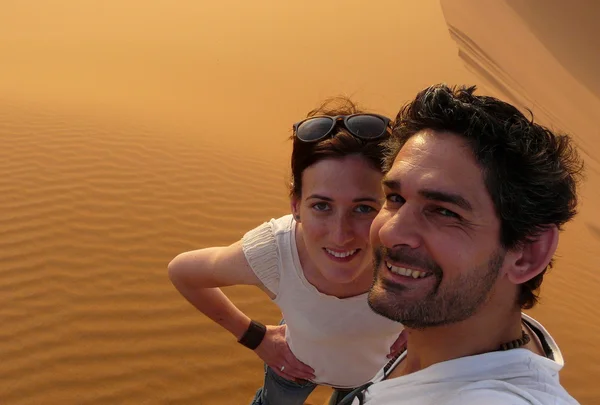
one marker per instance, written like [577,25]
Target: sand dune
[132,131]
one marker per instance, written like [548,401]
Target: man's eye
[394,199]
[447,213]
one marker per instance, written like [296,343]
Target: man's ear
[295,208]
[533,256]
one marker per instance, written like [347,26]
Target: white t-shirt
[343,340]
[512,377]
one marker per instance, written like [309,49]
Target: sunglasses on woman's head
[363,126]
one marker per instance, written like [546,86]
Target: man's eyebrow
[391,184]
[434,195]
[450,198]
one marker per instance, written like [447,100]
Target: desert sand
[131,131]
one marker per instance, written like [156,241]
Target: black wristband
[254,335]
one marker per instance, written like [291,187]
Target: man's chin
[381,302]
[384,299]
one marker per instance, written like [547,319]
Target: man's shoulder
[487,396]
[468,390]
[504,395]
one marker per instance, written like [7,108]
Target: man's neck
[481,333]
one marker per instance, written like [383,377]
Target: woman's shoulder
[261,247]
[282,224]
[268,231]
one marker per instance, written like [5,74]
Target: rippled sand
[130,132]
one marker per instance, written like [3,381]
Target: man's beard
[456,301]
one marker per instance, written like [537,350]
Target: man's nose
[402,228]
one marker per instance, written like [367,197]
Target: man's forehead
[444,150]
[438,161]
[431,141]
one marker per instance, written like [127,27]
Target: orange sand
[131,131]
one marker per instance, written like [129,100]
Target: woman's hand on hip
[276,353]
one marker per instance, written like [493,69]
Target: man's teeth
[341,254]
[406,272]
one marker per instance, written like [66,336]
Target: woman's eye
[365,209]
[321,206]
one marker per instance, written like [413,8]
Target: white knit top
[342,339]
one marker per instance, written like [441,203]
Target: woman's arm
[198,274]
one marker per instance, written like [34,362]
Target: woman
[314,264]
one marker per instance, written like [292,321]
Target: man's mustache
[409,257]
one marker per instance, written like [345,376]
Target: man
[476,195]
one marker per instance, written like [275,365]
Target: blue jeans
[277,390]
[280,391]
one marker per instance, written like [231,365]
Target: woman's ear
[533,256]
[295,208]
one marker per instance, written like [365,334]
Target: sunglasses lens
[314,129]
[366,126]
